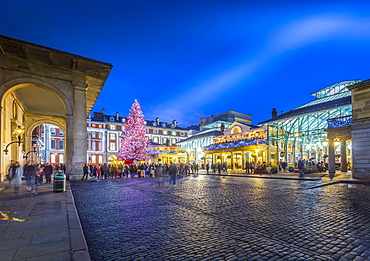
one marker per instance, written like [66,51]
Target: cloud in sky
[292,36]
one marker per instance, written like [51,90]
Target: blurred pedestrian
[173,171]
[15,176]
[48,171]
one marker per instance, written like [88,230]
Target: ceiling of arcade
[40,101]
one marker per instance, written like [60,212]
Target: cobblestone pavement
[224,218]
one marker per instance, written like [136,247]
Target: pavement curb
[79,248]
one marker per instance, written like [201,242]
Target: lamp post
[19,131]
[34,151]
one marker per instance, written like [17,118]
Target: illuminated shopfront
[167,155]
[240,143]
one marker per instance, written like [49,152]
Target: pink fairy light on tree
[134,143]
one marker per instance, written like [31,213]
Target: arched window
[236,130]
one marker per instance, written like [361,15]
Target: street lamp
[34,151]
[19,131]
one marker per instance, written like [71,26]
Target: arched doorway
[43,85]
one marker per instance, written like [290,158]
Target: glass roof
[334,89]
[331,93]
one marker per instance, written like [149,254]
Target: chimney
[103,111]
[274,113]
[117,116]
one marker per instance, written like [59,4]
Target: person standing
[207,167]
[219,167]
[247,166]
[173,171]
[301,167]
[15,176]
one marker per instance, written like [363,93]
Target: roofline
[55,50]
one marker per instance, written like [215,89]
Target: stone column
[243,159]
[343,155]
[78,143]
[361,148]
[331,158]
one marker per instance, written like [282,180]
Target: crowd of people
[35,174]
[141,170]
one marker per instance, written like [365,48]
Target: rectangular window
[93,146]
[100,159]
[61,158]
[112,146]
[61,133]
[177,133]
[173,141]
[112,136]
[61,144]
[93,159]
[155,131]
[150,130]
[155,139]
[169,132]
[52,145]
[112,127]
[52,158]
[52,131]
[100,146]
[160,131]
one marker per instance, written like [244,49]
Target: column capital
[81,86]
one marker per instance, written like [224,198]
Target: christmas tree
[134,143]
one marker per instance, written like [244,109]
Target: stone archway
[45,85]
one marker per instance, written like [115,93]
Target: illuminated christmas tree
[134,143]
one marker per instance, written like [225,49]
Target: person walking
[173,171]
[86,170]
[30,174]
[15,176]
[160,174]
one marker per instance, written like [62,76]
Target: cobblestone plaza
[224,218]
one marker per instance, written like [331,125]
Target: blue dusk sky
[187,60]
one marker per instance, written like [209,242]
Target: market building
[311,130]
[210,128]
[239,143]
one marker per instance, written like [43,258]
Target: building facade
[239,143]
[209,129]
[302,132]
[103,139]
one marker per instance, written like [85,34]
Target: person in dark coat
[86,170]
[48,171]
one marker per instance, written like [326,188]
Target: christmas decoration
[134,143]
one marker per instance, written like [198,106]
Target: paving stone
[223,218]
